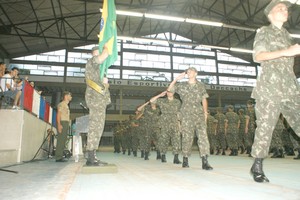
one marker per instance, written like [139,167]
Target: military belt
[95,86]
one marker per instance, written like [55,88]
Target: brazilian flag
[108,35]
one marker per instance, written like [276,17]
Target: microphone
[83,106]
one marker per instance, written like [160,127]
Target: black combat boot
[223,152]
[176,160]
[158,156]
[91,159]
[134,153]
[142,154]
[242,150]
[298,157]
[205,164]
[99,161]
[218,151]
[185,163]
[232,152]
[236,152]
[212,151]
[129,152]
[257,172]
[146,155]
[124,151]
[278,153]
[163,158]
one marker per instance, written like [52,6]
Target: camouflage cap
[230,107]
[95,48]
[273,4]
[172,90]
[192,68]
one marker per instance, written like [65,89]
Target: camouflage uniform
[277,89]
[149,124]
[169,125]
[241,139]
[192,117]
[221,140]
[233,121]
[211,132]
[117,138]
[250,113]
[276,141]
[135,135]
[96,103]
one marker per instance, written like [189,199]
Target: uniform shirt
[169,109]
[232,121]
[63,108]
[92,72]
[277,80]
[220,117]
[191,96]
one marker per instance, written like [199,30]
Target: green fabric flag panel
[108,35]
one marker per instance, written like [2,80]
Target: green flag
[108,35]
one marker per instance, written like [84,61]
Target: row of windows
[206,63]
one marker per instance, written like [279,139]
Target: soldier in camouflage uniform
[96,102]
[221,140]
[277,89]
[250,126]
[117,138]
[143,134]
[232,123]
[276,142]
[241,140]
[193,115]
[212,132]
[134,124]
[169,124]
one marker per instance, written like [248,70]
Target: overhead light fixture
[164,17]
[128,13]
[295,35]
[239,27]
[203,22]
[240,50]
[144,40]
[214,47]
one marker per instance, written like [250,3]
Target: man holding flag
[97,95]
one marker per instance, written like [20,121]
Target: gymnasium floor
[139,179]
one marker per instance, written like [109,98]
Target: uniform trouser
[168,134]
[232,138]
[190,125]
[145,142]
[267,114]
[96,126]
[221,140]
[276,141]
[61,140]
[135,141]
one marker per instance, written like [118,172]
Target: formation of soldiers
[156,126]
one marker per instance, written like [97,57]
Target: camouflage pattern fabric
[221,140]
[212,137]
[241,138]
[277,89]
[232,129]
[169,125]
[192,117]
[97,105]
[276,141]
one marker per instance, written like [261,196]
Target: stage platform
[139,179]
